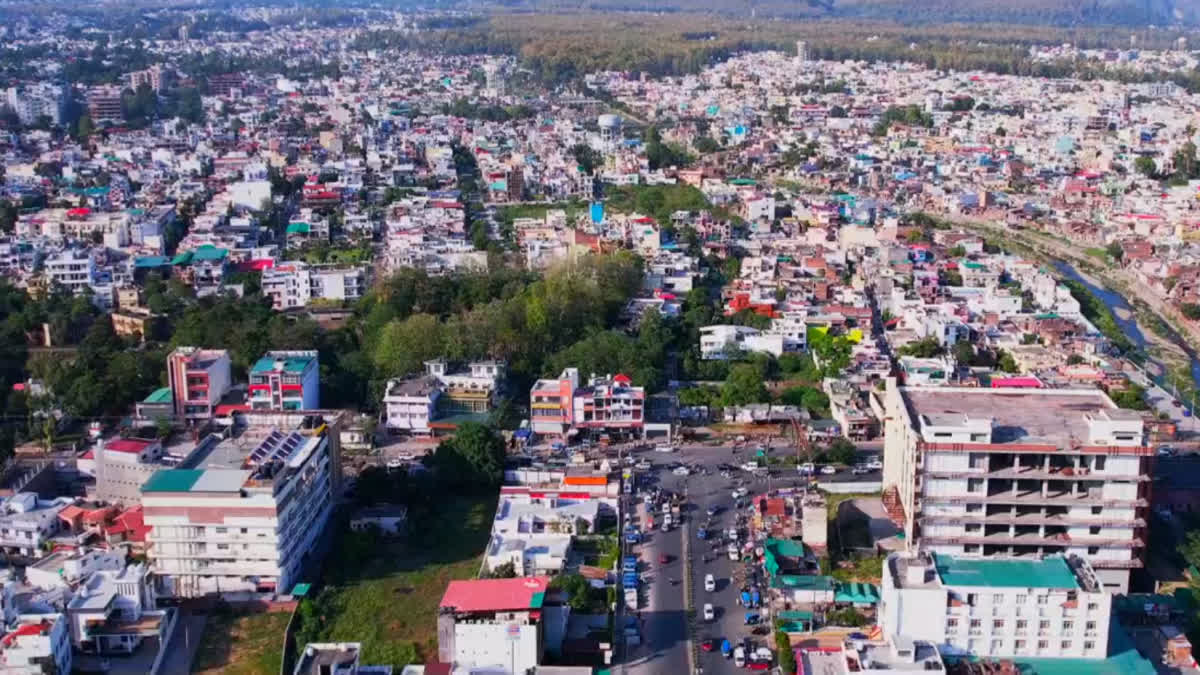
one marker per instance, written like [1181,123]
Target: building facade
[217,531]
[285,380]
[994,608]
[1018,473]
[197,378]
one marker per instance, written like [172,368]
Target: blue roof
[150,261]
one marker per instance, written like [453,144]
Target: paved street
[664,617]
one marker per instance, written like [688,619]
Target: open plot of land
[247,644]
[386,595]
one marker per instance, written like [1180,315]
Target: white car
[710,584]
[643,465]
[663,448]
[740,492]
[709,612]
[739,656]
[733,552]
[750,466]
[681,471]
[829,469]
[875,465]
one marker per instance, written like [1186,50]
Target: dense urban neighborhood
[395,341]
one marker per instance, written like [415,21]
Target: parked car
[709,613]
[750,466]
[875,464]
[828,469]
[681,471]
[709,644]
[806,469]
[759,665]
[860,469]
[664,559]
[663,448]
[740,492]
[713,510]
[1166,451]
[739,657]
[710,583]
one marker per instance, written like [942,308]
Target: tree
[1190,310]
[783,647]
[956,251]
[1006,362]
[837,111]
[926,348]
[744,386]
[815,401]
[578,590]
[1145,165]
[506,570]
[473,459]
[162,428]
[841,451]
[1075,359]
[1115,251]
[587,158]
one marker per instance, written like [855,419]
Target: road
[665,627]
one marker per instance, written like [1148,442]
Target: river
[1124,315]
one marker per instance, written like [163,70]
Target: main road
[668,629]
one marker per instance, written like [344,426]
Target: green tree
[783,647]
[473,460]
[1005,362]
[743,386]
[1190,310]
[841,451]
[1115,251]
[1145,165]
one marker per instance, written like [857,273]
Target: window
[1093,530]
[1093,550]
[976,623]
[1043,625]
[970,548]
[975,484]
[971,599]
[998,624]
[1097,510]
[1091,625]
[1066,644]
[1043,644]
[974,508]
[951,622]
[1067,625]
[222,530]
[998,598]
[1020,644]
[244,530]
[1098,462]
[1092,606]
[997,645]
[1043,599]
[1021,624]
[1021,599]
[222,547]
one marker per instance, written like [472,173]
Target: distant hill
[1056,12]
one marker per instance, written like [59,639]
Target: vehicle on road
[860,469]
[664,448]
[710,583]
[740,492]
[709,612]
[702,534]
[643,465]
[681,471]
[713,510]
[749,466]
[752,618]
[806,469]
[875,464]
[759,665]
[1166,451]
[733,552]
[739,657]
[726,648]
[709,644]
[664,558]
[828,469]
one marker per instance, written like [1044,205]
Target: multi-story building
[73,269]
[38,643]
[120,466]
[197,378]
[113,611]
[723,341]
[296,284]
[606,405]
[104,103]
[156,77]
[28,522]
[414,403]
[1018,473]
[997,608]
[493,623]
[40,100]
[248,524]
[285,380]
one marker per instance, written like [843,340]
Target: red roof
[493,595]
[130,523]
[1021,382]
[622,378]
[229,408]
[130,445]
[26,629]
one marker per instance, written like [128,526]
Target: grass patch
[384,592]
[241,644]
[1097,253]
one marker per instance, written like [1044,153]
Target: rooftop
[196,480]
[495,595]
[162,395]
[1052,416]
[291,363]
[1053,572]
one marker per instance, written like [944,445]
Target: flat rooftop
[1051,416]
[1052,572]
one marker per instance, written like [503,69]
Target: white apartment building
[1018,473]
[73,269]
[33,101]
[495,624]
[720,341]
[410,404]
[27,522]
[218,530]
[295,284]
[36,641]
[994,608]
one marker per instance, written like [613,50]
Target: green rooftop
[182,258]
[162,395]
[172,480]
[798,582]
[291,364]
[1046,573]
[298,228]
[209,252]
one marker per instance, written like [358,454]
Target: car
[740,492]
[759,665]
[1166,451]
[709,645]
[860,469]
[681,471]
[739,656]
[666,526]
[829,469]
[710,583]
[875,465]
[664,559]
[643,465]
[702,534]
[750,466]
[806,469]
[713,510]
[709,613]
[663,448]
